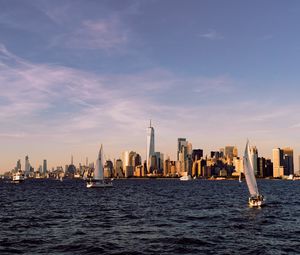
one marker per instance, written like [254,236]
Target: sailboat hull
[256,202]
[99,184]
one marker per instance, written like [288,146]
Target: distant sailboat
[99,181]
[255,199]
[240,177]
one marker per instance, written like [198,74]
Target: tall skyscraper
[254,155]
[180,143]
[44,167]
[150,146]
[18,166]
[278,168]
[229,152]
[288,155]
[27,166]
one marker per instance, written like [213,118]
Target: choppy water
[148,217]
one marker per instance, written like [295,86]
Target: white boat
[255,199]
[186,178]
[99,181]
[18,177]
[240,177]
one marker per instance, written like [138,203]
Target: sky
[77,74]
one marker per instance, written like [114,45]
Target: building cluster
[224,162]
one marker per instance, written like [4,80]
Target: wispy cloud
[44,96]
[104,34]
[212,35]
[221,84]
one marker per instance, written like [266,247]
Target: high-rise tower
[27,166]
[44,167]
[150,145]
[278,166]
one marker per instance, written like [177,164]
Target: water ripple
[148,217]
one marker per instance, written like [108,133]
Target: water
[148,217]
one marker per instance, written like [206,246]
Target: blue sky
[74,74]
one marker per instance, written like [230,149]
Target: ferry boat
[18,177]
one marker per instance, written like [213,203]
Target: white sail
[249,172]
[98,174]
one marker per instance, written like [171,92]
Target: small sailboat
[99,181]
[255,199]
[240,177]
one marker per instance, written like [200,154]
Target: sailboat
[255,199]
[240,177]
[99,181]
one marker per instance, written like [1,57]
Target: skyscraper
[254,155]
[180,142]
[18,166]
[229,152]
[150,146]
[278,168]
[44,167]
[27,166]
[288,155]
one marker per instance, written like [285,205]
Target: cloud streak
[102,34]
[212,35]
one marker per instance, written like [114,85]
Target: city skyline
[74,75]
[228,151]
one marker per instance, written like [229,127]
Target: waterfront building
[228,152]
[139,171]
[44,167]
[184,155]
[130,161]
[159,162]
[108,169]
[181,142]
[18,166]
[254,156]
[288,155]
[269,168]
[71,169]
[167,167]
[27,166]
[261,167]
[235,152]
[238,165]
[118,173]
[278,163]
[189,149]
[199,168]
[150,145]
[173,168]
[197,154]
[129,171]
